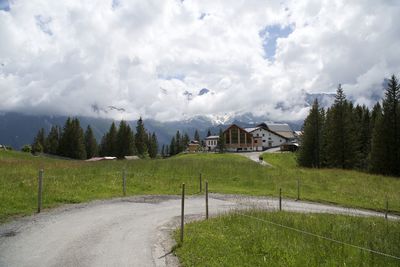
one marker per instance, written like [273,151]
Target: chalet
[212,142]
[268,138]
[193,146]
[282,129]
[239,139]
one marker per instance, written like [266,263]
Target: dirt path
[121,232]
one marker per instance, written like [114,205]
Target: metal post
[280,199]
[183,211]
[40,189]
[386,208]
[206,200]
[298,188]
[200,183]
[124,182]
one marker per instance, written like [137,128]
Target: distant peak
[204,91]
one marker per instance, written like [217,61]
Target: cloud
[142,56]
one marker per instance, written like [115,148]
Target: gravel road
[132,231]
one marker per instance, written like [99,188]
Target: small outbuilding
[289,146]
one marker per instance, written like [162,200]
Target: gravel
[133,231]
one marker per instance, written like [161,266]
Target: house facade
[211,142]
[268,138]
[238,139]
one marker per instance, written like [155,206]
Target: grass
[234,240]
[70,181]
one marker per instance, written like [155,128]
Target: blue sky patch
[269,36]
[4,5]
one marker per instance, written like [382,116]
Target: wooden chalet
[238,139]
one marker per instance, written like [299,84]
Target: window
[264,141]
[269,138]
[242,137]
[248,136]
[234,132]
[263,135]
[257,135]
[255,141]
[280,140]
[227,140]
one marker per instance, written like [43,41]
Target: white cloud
[64,57]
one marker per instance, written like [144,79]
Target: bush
[26,148]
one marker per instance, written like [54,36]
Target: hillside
[71,181]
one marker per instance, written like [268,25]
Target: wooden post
[124,182]
[40,189]
[298,188]
[386,208]
[280,199]
[201,189]
[182,211]
[206,200]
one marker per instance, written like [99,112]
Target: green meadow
[72,181]
[237,240]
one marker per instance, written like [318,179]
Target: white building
[268,138]
[211,142]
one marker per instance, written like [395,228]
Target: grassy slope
[76,181]
[233,240]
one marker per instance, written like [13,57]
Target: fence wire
[320,236]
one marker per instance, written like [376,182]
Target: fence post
[206,200]
[386,208]
[298,188]
[200,183]
[280,199]
[182,211]
[40,189]
[124,181]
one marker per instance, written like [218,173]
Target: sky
[131,58]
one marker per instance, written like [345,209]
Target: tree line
[353,137]
[72,142]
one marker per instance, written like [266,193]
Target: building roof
[279,127]
[249,130]
[212,137]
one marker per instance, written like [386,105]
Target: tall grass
[71,181]
[235,240]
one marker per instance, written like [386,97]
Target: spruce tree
[385,153]
[312,139]
[172,147]
[208,133]
[221,142]
[38,144]
[90,143]
[72,143]
[153,148]
[141,138]
[340,133]
[163,151]
[178,143]
[53,140]
[196,136]
[124,141]
[185,141]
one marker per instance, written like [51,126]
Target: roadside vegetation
[73,181]
[236,240]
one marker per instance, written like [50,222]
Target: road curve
[132,231]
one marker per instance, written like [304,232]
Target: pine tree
[208,133]
[185,141]
[221,142]
[167,151]
[312,139]
[72,143]
[172,147]
[38,144]
[385,153]
[163,151]
[153,148]
[178,143]
[361,122]
[340,133]
[124,141]
[196,136]
[90,143]
[141,138]
[53,140]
